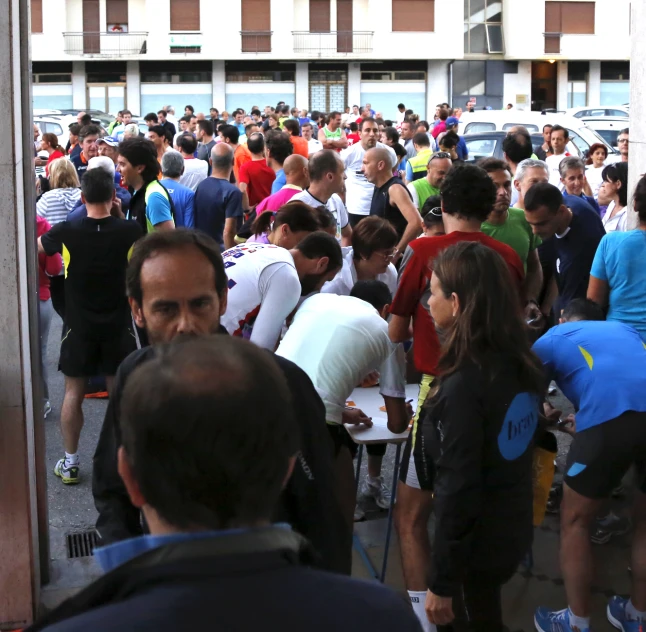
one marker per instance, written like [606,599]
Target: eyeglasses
[388,257]
[622,140]
[441,155]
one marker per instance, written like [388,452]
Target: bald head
[297,171]
[377,166]
[382,156]
[222,160]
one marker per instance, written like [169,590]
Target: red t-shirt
[53,156]
[413,291]
[258,177]
[353,138]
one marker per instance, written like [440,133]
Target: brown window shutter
[344,26]
[553,17]
[578,18]
[413,15]
[36,16]
[184,15]
[92,25]
[256,15]
[116,11]
[319,16]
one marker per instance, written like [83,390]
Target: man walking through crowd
[256,177]
[332,136]
[195,171]
[437,167]
[172,166]
[88,136]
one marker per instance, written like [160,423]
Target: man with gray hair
[528,173]
[172,165]
[218,203]
[572,170]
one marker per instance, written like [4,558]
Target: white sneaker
[375,488]
[47,408]
[359,514]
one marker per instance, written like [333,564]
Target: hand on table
[439,610]
[356,416]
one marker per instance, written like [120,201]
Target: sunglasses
[440,155]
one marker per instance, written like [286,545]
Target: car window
[481,148]
[609,135]
[616,113]
[530,128]
[473,128]
[577,146]
[53,128]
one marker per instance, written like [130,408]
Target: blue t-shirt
[279,182]
[216,200]
[567,198]
[599,365]
[183,199]
[620,262]
[572,254]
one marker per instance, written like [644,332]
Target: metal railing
[105,44]
[332,43]
[256,41]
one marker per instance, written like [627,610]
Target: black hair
[292,126]
[618,172]
[450,140]
[374,292]
[256,143]
[327,221]
[206,472]
[626,130]
[141,151]
[391,134]
[322,162]
[300,217]
[400,150]
[518,146]
[248,126]
[430,219]
[421,139]
[468,192]
[160,130]
[354,127]
[560,128]
[279,146]
[86,119]
[582,309]
[97,186]
[190,108]
[424,124]
[89,130]
[187,143]
[639,199]
[491,165]
[546,126]
[368,119]
[401,106]
[231,132]
[169,241]
[151,116]
[187,118]
[543,194]
[74,129]
[206,127]
[256,112]
[320,244]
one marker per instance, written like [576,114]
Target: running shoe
[554,621]
[608,527]
[47,408]
[377,490]
[554,499]
[69,475]
[359,514]
[617,615]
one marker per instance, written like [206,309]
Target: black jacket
[256,580]
[308,502]
[480,432]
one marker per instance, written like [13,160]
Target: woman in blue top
[618,274]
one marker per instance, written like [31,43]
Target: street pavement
[71,509]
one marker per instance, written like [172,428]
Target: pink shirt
[278,199]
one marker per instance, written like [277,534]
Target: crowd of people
[234,280]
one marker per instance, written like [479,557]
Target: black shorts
[600,456]
[340,438]
[417,468]
[87,358]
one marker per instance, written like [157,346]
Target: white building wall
[437,86]
[218,81]
[561,85]
[302,98]
[79,95]
[518,87]
[594,83]
[133,88]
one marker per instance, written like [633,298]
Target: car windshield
[592,137]
[474,128]
[480,148]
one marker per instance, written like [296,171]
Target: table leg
[358,476]
[390,512]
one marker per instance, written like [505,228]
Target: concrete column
[561,85]
[302,97]
[637,151]
[79,92]
[437,85]
[354,84]
[594,83]
[218,79]
[23,512]
[103,24]
[133,87]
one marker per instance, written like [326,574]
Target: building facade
[327,54]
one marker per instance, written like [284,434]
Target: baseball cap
[101,162]
[452,120]
[108,140]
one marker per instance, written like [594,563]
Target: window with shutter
[116,13]
[36,16]
[319,16]
[570,18]
[344,26]
[256,26]
[184,15]
[413,15]
[91,27]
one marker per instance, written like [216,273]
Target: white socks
[71,460]
[580,623]
[418,600]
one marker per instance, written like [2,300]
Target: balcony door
[91,27]
[344,26]
[328,89]
[107,97]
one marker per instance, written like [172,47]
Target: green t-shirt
[424,190]
[516,233]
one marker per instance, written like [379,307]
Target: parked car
[602,110]
[55,125]
[608,127]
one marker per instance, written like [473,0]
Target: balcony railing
[552,43]
[332,43]
[256,41]
[105,44]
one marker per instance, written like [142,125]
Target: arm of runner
[409,174]
[413,193]
[342,143]
[400,197]
[534,278]
[598,287]
[51,242]
[392,387]
[346,236]
[158,212]
[232,212]
[189,211]
[229,232]
[280,290]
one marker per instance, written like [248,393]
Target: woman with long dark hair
[614,194]
[478,430]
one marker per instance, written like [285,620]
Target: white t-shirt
[194,172]
[358,191]
[593,176]
[337,341]
[264,288]
[346,277]
[314,145]
[335,205]
[616,223]
[553,162]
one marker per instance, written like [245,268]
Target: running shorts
[600,456]
[87,358]
[417,468]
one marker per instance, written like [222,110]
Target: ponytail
[300,217]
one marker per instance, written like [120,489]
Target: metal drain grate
[81,543]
